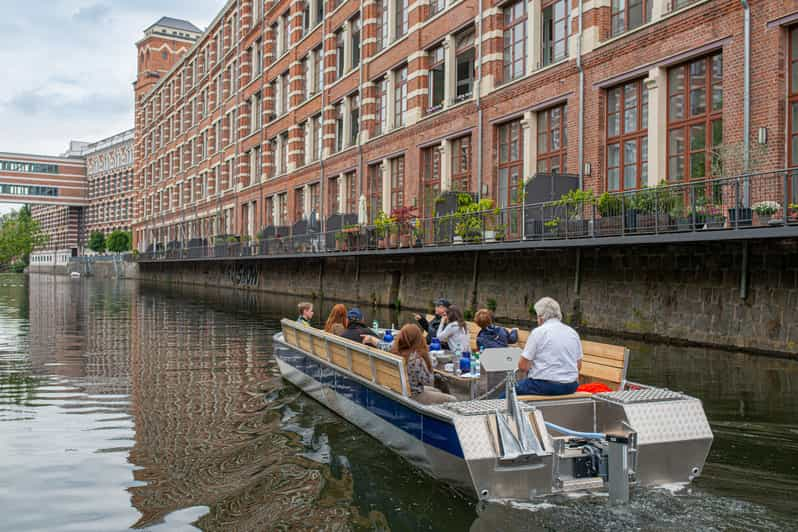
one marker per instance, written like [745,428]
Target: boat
[74,275]
[520,447]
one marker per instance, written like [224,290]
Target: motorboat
[518,447]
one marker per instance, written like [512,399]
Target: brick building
[109,173]
[285,108]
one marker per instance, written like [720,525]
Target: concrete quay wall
[685,293]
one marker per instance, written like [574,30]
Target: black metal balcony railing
[706,206]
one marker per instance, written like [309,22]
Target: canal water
[127,405]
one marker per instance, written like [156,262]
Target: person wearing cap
[356,330]
[431,327]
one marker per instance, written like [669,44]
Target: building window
[511,164]
[436,78]
[299,204]
[350,192]
[555,32]
[284,92]
[305,17]
[316,137]
[629,14]
[256,109]
[400,97]
[319,11]
[514,40]
[461,164]
[382,24]
[304,155]
[436,6]
[430,179]
[339,54]
[397,182]
[381,112]
[307,89]
[315,199]
[271,145]
[400,18]
[354,119]
[318,70]
[465,59]
[627,136]
[285,23]
[695,117]
[374,189]
[552,139]
[283,155]
[257,58]
[339,126]
[354,29]
[334,204]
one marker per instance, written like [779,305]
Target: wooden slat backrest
[385,369]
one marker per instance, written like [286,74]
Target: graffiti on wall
[241,274]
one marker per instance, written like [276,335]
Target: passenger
[454,331]
[431,327]
[410,345]
[305,313]
[356,330]
[491,335]
[336,321]
[552,358]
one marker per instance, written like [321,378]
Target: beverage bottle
[458,360]
[375,325]
[465,363]
[435,345]
[476,363]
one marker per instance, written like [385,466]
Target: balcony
[731,208]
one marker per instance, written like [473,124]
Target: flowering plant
[708,209]
[766,208]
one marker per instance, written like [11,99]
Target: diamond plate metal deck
[645,395]
[676,421]
[480,407]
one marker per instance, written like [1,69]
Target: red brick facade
[192,184]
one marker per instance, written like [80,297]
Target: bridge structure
[43,180]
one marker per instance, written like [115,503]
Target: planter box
[609,226]
[649,223]
[744,217]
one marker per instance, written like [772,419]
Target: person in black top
[431,327]
[356,328]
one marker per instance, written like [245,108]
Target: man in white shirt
[552,357]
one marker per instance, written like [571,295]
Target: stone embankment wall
[679,293]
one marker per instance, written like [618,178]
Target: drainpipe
[581,125]
[479,103]
[359,173]
[746,98]
[323,86]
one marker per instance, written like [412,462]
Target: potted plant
[403,217]
[381,224]
[680,219]
[574,204]
[340,241]
[418,233]
[793,213]
[468,223]
[610,208]
[245,249]
[765,211]
[708,215]
[351,237]
[552,227]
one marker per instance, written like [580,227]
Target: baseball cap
[442,302]
[354,314]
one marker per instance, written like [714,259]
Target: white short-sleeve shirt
[554,350]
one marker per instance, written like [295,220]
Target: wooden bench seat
[370,363]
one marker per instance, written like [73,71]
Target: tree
[19,235]
[119,242]
[97,242]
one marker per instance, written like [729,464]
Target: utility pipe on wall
[746,100]
[479,103]
[581,121]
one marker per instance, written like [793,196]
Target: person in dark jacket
[431,327]
[356,329]
[491,335]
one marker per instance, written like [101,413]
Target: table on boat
[470,382]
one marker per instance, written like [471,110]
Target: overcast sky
[68,66]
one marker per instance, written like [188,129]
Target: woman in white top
[454,331]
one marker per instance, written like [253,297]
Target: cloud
[75,83]
[92,14]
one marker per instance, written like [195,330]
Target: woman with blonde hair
[336,321]
[411,345]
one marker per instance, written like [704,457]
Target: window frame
[461,173]
[514,31]
[397,171]
[638,135]
[550,153]
[550,46]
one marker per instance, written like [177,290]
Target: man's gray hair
[547,308]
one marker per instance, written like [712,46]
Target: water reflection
[133,405]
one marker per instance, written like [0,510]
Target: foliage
[794,210]
[97,242]
[705,207]
[468,314]
[609,204]
[382,224]
[232,239]
[574,201]
[491,304]
[19,235]
[552,224]
[659,199]
[728,159]
[468,217]
[340,236]
[119,241]
[766,208]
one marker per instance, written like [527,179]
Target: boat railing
[374,365]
